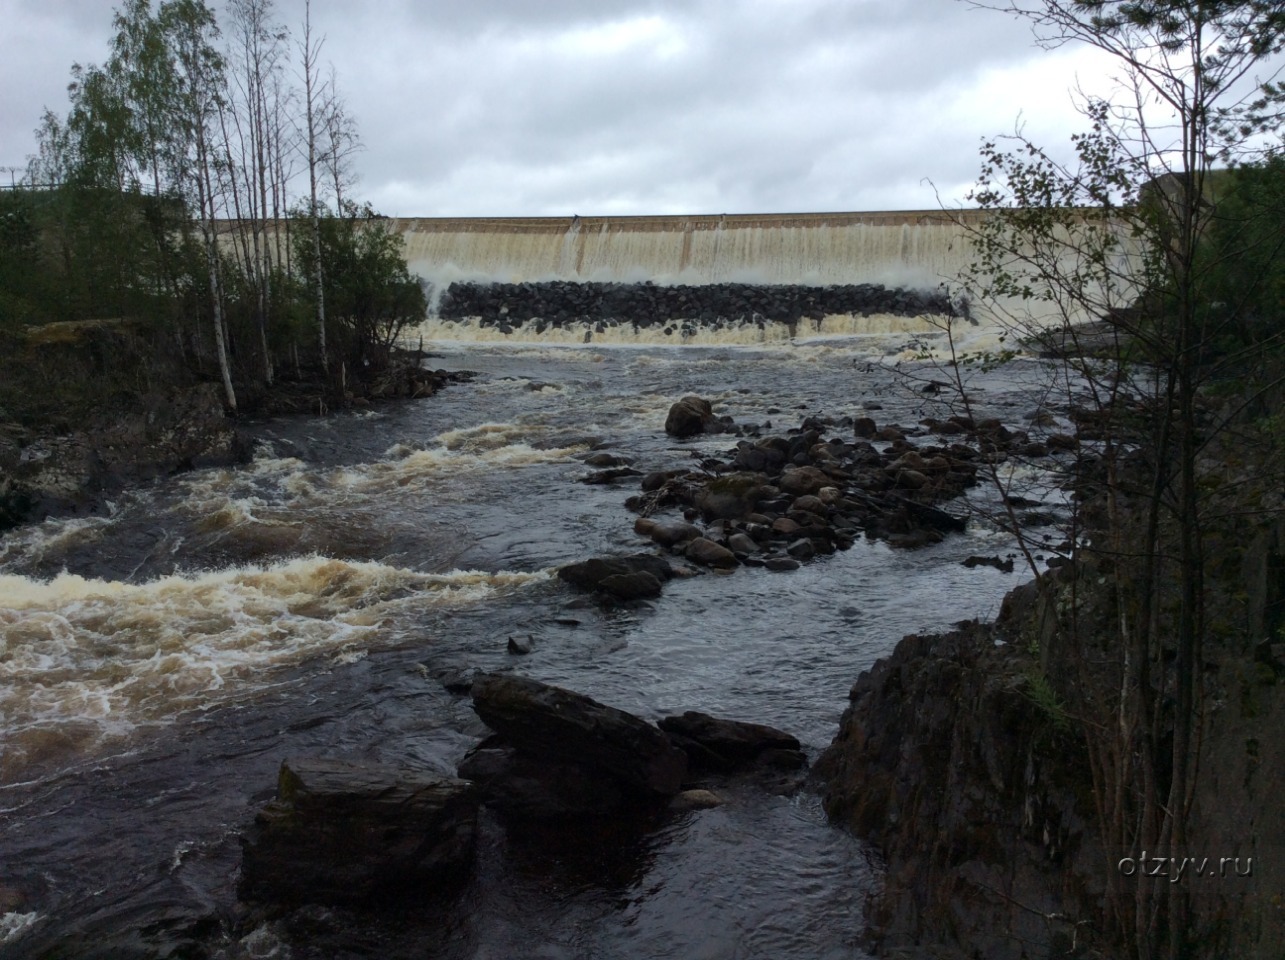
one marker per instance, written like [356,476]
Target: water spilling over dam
[914,249]
[741,278]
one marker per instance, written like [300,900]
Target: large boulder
[710,554]
[624,578]
[534,788]
[551,723]
[344,832]
[690,417]
[733,496]
[726,744]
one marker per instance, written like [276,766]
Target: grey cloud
[513,106]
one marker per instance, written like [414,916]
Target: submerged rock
[344,832]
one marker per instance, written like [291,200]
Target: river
[161,659]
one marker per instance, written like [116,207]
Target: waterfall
[912,249]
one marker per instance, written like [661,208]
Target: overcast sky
[561,107]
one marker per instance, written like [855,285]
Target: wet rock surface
[551,723]
[346,832]
[973,797]
[728,745]
[780,500]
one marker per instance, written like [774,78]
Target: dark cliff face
[979,797]
[976,797]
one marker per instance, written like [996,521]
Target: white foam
[14,924]
[82,660]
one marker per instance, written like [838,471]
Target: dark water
[160,662]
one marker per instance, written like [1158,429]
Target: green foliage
[1037,688]
[1241,259]
[159,200]
[370,297]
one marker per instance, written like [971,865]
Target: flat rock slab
[344,832]
[549,722]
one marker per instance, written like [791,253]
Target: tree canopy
[177,188]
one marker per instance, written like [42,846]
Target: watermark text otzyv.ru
[1175,869]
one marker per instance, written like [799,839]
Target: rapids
[158,661]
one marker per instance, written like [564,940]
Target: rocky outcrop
[552,724]
[346,832]
[974,797]
[68,472]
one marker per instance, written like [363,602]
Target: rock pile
[780,500]
[681,308]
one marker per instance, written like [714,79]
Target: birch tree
[314,104]
[192,33]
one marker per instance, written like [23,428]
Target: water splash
[84,660]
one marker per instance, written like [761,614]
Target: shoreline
[54,473]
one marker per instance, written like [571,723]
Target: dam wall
[912,249]
[735,277]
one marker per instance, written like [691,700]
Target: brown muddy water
[159,661]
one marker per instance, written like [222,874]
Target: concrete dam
[917,248]
[731,278]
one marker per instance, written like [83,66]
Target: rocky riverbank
[50,467]
[46,473]
[976,798]
[974,782]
